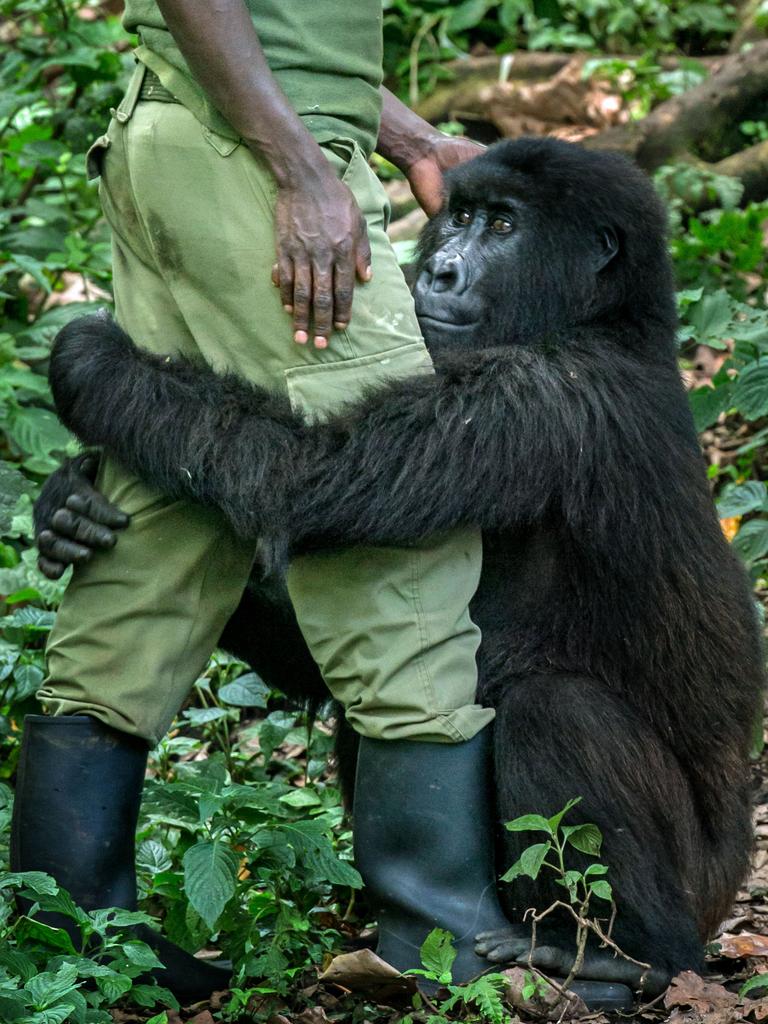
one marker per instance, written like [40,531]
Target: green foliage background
[241,848]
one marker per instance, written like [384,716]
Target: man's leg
[391,630]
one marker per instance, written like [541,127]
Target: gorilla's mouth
[446,325]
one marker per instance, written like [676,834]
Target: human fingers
[302,299]
[343,292]
[97,508]
[322,302]
[363,253]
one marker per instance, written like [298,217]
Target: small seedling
[582,886]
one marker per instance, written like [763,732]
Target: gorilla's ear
[607,247]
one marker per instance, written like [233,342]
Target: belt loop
[128,103]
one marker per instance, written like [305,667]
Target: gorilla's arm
[494,439]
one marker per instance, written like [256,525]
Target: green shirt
[325,55]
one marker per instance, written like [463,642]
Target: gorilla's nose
[445,272]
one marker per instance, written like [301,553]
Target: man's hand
[420,151]
[322,247]
[425,174]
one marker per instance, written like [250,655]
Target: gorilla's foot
[602,975]
[424,845]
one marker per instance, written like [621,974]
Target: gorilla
[621,646]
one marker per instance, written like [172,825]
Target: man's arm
[322,243]
[420,151]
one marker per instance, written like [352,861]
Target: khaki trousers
[193,243]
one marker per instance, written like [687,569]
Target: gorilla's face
[538,237]
[475,240]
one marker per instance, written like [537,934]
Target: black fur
[620,641]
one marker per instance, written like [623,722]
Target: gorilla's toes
[503,946]
[598,965]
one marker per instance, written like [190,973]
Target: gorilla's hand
[73,519]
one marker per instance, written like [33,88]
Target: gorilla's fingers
[53,570]
[96,508]
[598,965]
[69,524]
[502,946]
[59,549]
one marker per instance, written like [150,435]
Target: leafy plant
[581,886]
[484,994]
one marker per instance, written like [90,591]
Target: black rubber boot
[77,801]
[424,845]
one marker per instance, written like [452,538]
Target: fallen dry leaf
[363,971]
[314,1015]
[746,944]
[202,1018]
[688,989]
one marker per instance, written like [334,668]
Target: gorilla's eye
[462,217]
[501,226]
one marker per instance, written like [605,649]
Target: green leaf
[12,485]
[210,874]
[247,691]
[153,857]
[140,954]
[711,316]
[529,823]
[601,889]
[529,863]
[554,821]
[202,716]
[437,952]
[114,986]
[759,981]
[586,838]
[47,988]
[750,394]
[740,499]
[301,798]
[708,404]
[54,1015]
[751,541]
[468,14]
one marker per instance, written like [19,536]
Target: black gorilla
[620,641]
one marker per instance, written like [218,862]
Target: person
[250,231]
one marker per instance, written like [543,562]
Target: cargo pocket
[94,158]
[321,389]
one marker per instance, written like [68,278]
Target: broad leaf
[586,838]
[739,499]
[210,874]
[437,952]
[751,541]
[750,394]
[247,691]
[529,823]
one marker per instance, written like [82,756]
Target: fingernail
[340,325]
[288,309]
[368,273]
[321,342]
[301,337]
